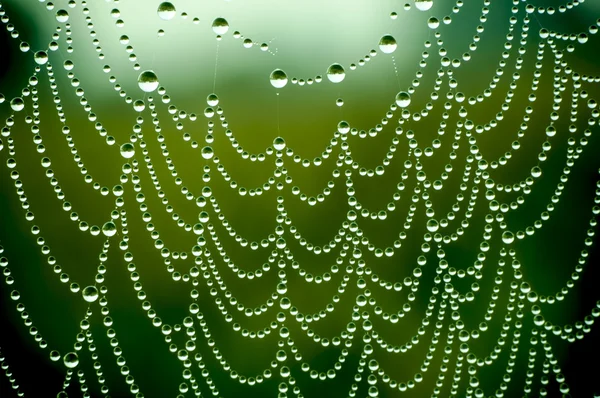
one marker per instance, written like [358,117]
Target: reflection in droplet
[148,81]
[336,73]
[278,78]
[388,44]
[220,26]
[166,10]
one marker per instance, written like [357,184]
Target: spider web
[422,235]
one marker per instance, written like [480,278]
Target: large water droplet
[388,44]
[71,360]
[17,104]
[62,16]
[90,294]
[220,26]
[336,73]
[423,5]
[279,144]
[207,153]
[508,237]
[109,229]
[148,81]
[127,150]
[40,57]
[166,10]
[212,100]
[278,78]
[403,99]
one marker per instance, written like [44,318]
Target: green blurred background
[304,38]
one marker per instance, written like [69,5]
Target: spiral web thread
[449,339]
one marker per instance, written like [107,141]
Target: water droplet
[220,26]
[508,237]
[278,78]
[62,16]
[139,105]
[109,229]
[279,144]
[207,152]
[336,73]
[166,11]
[433,23]
[388,44]
[40,57]
[343,127]
[423,5]
[90,294]
[432,225]
[403,99]
[148,81]
[212,100]
[127,150]
[71,360]
[17,104]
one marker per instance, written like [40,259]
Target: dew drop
[90,294]
[508,237]
[166,11]
[139,105]
[109,229]
[403,99]
[423,5]
[148,81]
[388,44]
[433,23]
[279,144]
[336,73]
[40,57]
[62,16]
[220,26]
[17,104]
[127,150]
[71,360]
[278,78]
[207,152]
[212,100]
